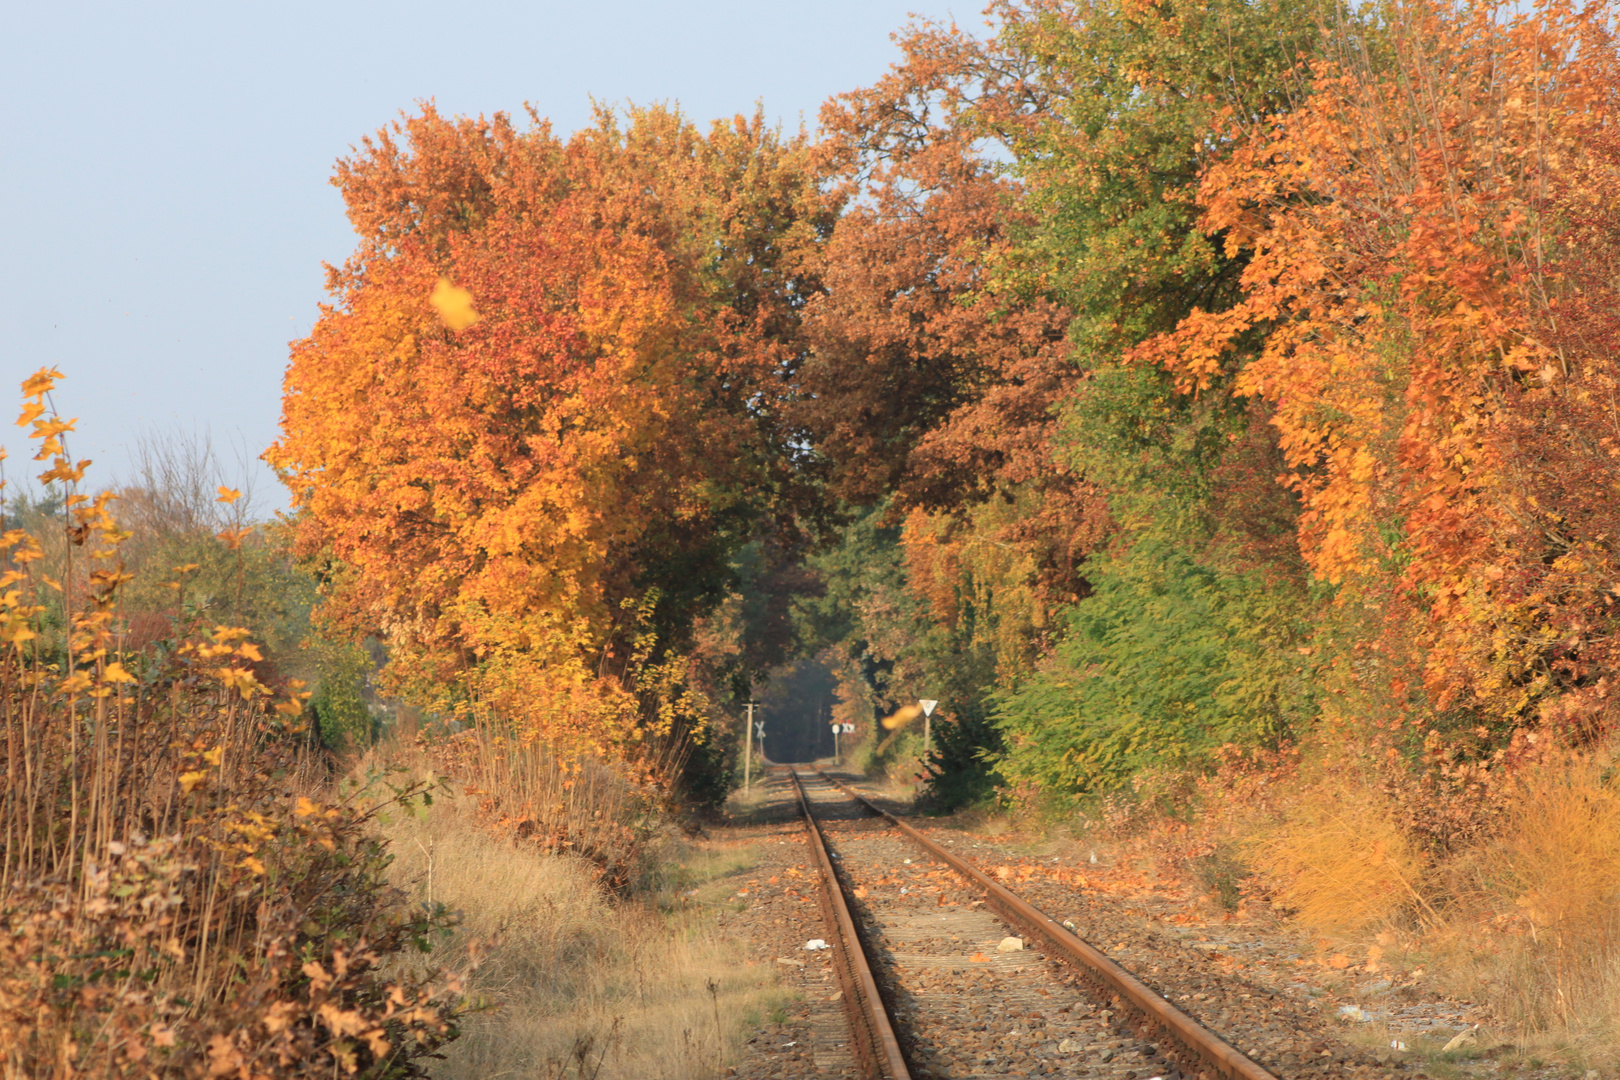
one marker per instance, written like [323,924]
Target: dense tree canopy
[1140,379]
[605,425]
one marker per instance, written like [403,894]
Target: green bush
[1167,662]
[342,717]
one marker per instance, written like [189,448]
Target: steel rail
[1101,970]
[875,1044]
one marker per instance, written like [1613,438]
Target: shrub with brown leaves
[179,896]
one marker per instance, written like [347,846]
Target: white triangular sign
[927,706]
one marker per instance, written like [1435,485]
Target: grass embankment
[1523,915]
[569,979]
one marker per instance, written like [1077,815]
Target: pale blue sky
[164,205]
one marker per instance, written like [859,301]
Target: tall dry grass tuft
[1543,898]
[574,982]
[602,810]
[1340,861]
[1523,912]
[178,898]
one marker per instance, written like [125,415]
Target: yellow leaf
[189,780]
[233,537]
[215,756]
[228,495]
[223,1056]
[317,975]
[115,673]
[40,382]
[279,1016]
[902,717]
[454,305]
[306,808]
[241,680]
[341,1021]
[253,864]
[74,684]
[61,470]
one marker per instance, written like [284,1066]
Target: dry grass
[1527,919]
[577,984]
[1341,863]
[1537,925]
[602,809]
[744,802]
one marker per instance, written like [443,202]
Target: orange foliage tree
[930,380]
[1419,234]
[546,405]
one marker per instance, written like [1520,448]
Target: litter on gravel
[814,944]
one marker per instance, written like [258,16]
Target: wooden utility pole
[748,754]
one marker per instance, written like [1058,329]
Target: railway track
[946,973]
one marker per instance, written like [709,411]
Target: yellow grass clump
[1339,860]
[1523,916]
[1539,904]
[573,981]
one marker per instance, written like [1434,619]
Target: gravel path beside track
[772,909]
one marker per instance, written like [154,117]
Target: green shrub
[1166,663]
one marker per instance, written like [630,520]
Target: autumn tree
[1421,243]
[546,405]
[1038,188]
[931,388]
[927,379]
